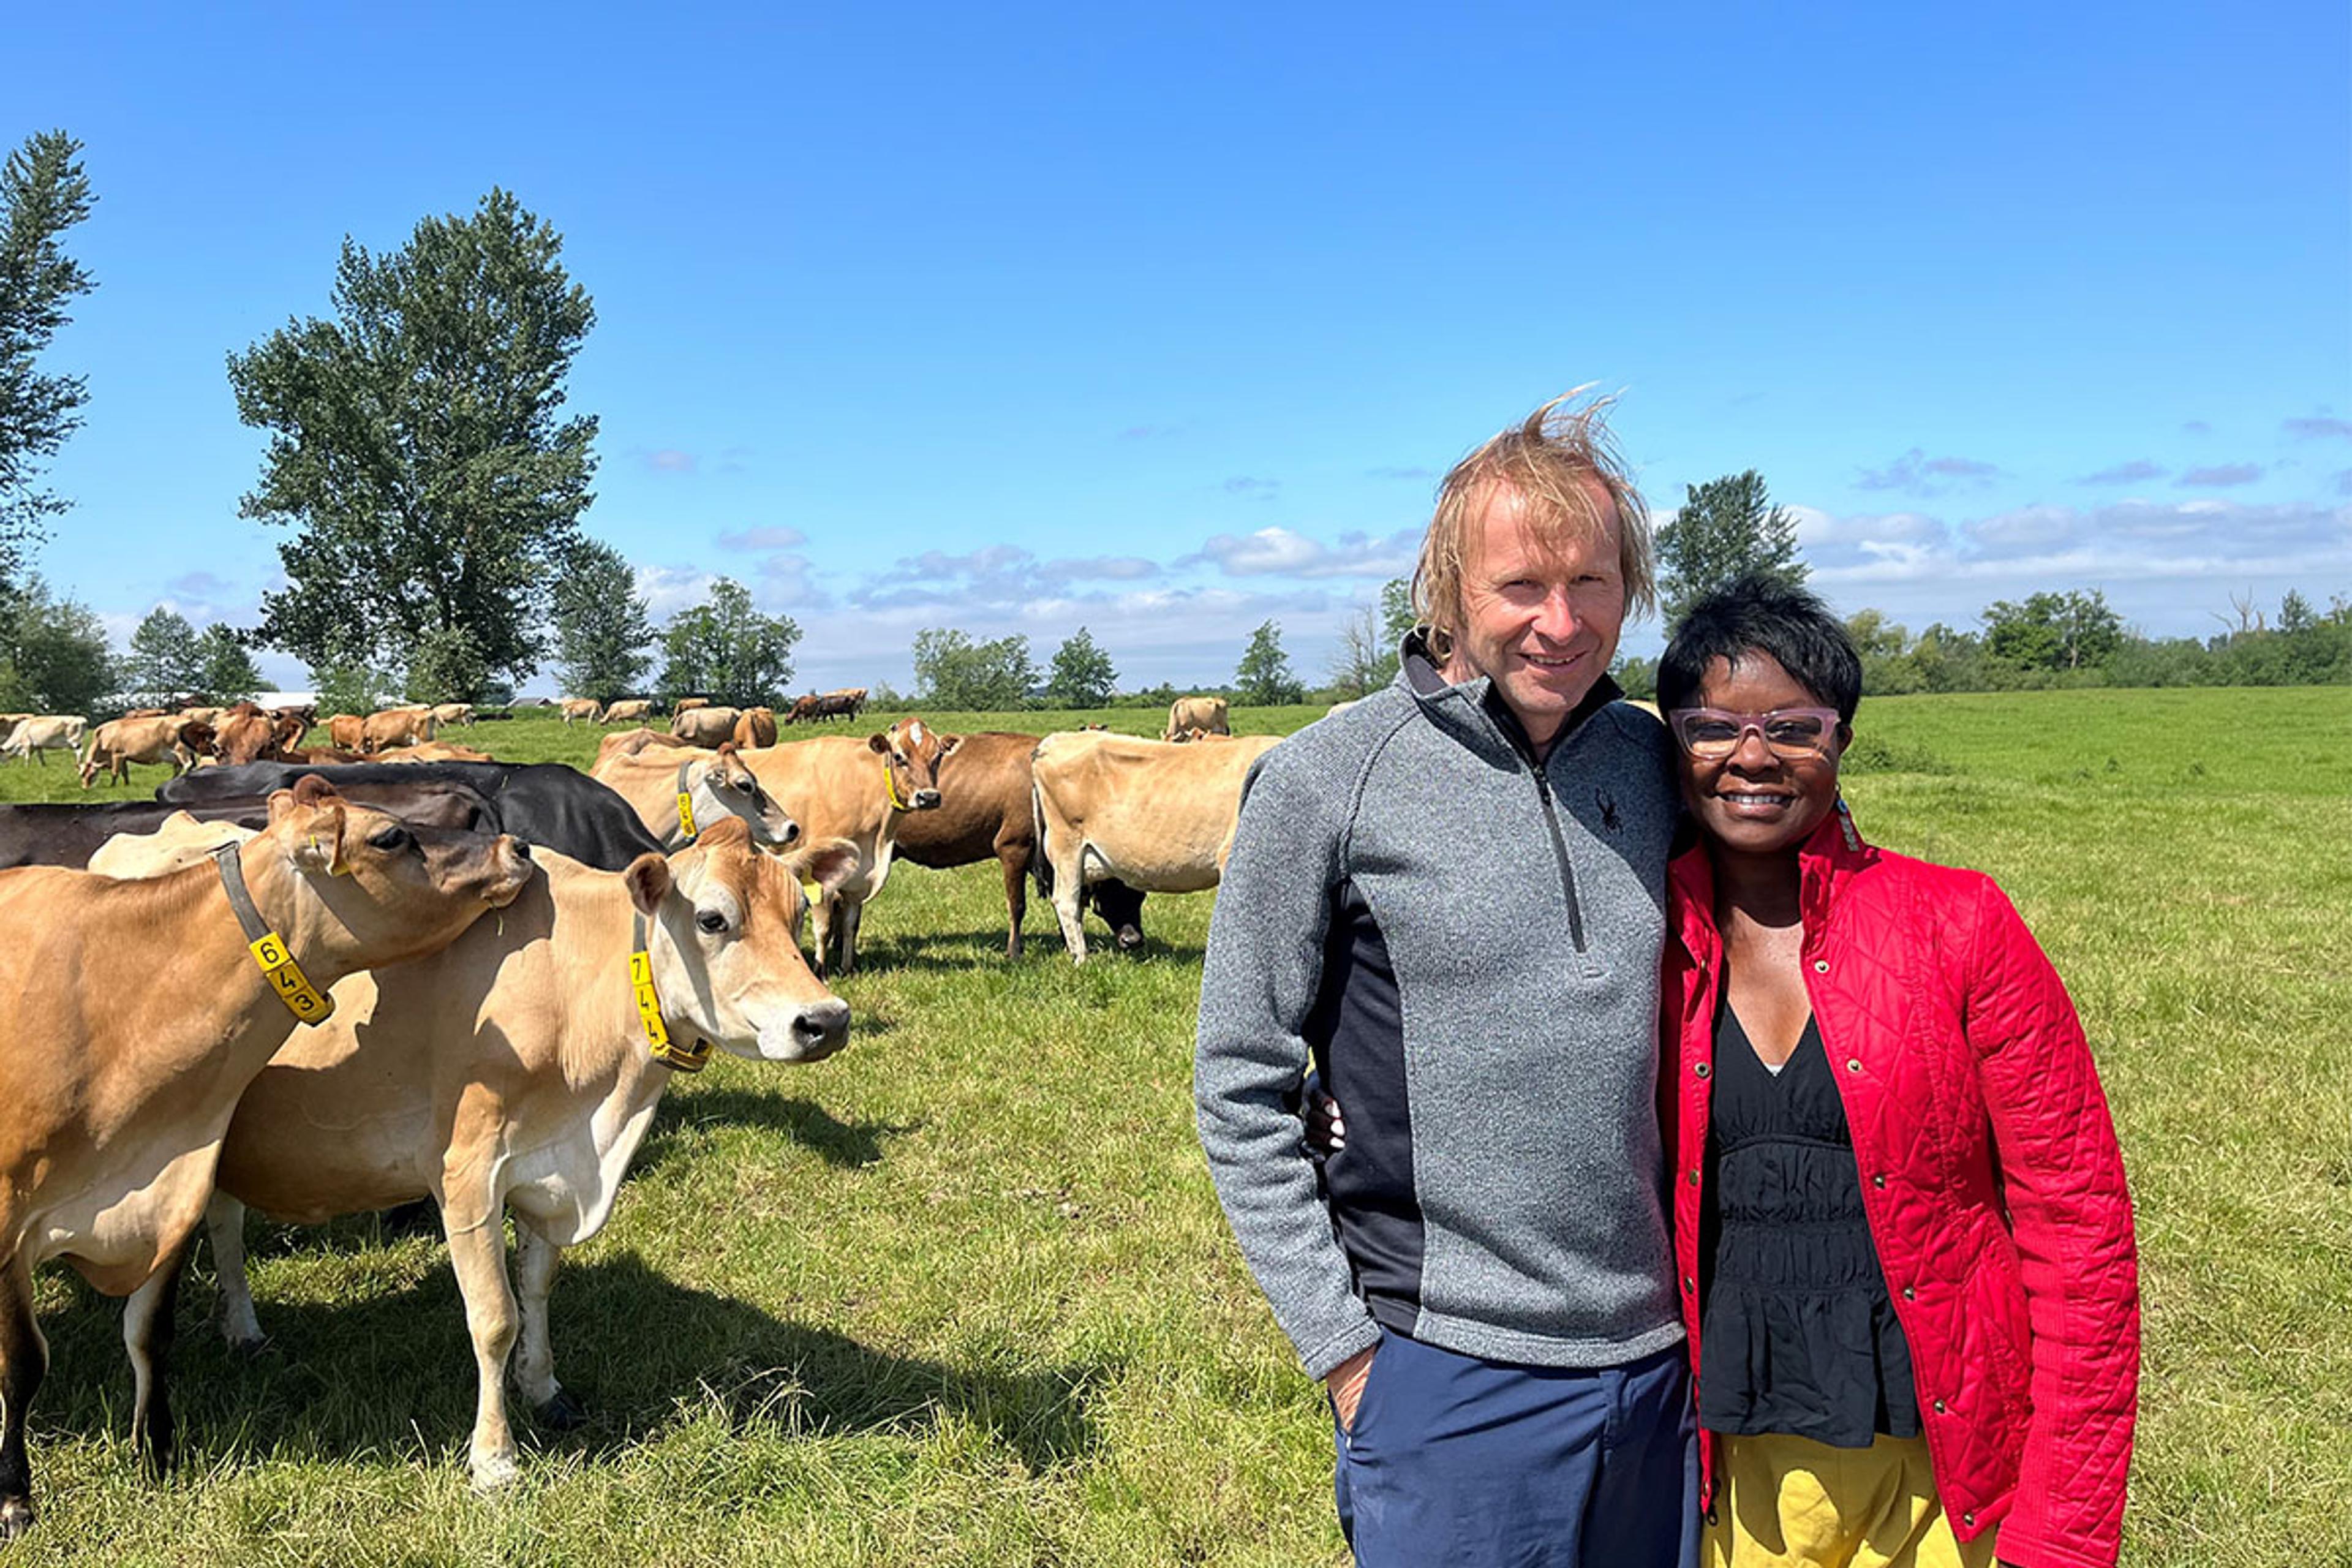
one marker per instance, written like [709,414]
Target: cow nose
[925,799]
[521,849]
[792,831]
[823,1027]
[1130,939]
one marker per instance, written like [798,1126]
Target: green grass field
[964,1296]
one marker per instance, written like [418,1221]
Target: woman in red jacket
[1903,1238]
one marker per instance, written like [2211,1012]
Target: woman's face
[1756,800]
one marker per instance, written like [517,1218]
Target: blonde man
[1448,901]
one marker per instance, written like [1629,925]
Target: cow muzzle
[816,1031]
[925,800]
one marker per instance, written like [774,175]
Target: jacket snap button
[1878,1180]
[1820,966]
[1940,1407]
[1693,1178]
[1687,1285]
[1700,1070]
[1854,1064]
[1967,1518]
[1909,1294]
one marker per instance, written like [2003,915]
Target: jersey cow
[514,1073]
[1206,714]
[757,727]
[586,708]
[715,783]
[705,726]
[540,803]
[111,1130]
[986,811]
[38,733]
[63,834]
[839,786]
[630,710]
[397,727]
[169,740]
[1158,817]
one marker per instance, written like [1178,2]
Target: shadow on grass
[370,1379]
[847,1146]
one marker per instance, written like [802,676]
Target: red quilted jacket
[1989,1173]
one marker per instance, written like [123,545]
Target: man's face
[1541,623]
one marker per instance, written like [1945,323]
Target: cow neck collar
[664,1049]
[891,787]
[276,960]
[685,808]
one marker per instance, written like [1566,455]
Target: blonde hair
[1551,459]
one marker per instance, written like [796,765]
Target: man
[1448,900]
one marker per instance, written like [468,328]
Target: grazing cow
[434,751]
[110,1132]
[846,703]
[586,708]
[715,784]
[757,727]
[1158,817]
[38,733]
[706,726]
[1205,713]
[167,738]
[513,1072]
[629,710]
[397,727]
[689,704]
[986,811]
[840,786]
[345,730]
[540,803]
[448,713]
[61,835]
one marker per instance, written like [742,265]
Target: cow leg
[224,1223]
[536,1257]
[23,1361]
[1016,895]
[147,1335]
[1070,902]
[821,918]
[478,1253]
[851,914]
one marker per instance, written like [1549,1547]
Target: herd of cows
[321,1023]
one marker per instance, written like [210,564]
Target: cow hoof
[562,1413]
[495,1471]
[15,1517]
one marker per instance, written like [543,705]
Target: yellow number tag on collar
[286,978]
[685,817]
[665,1050]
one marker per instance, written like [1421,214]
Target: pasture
[962,1295]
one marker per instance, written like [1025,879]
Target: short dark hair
[1763,613]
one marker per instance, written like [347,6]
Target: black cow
[69,834]
[539,803]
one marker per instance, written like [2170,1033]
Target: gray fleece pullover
[1466,946]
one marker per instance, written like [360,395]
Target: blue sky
[1164,320]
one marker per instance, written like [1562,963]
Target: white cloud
[1278,551]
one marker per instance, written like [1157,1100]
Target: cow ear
[878,742]
[319,843]
[828,865]
[648,881]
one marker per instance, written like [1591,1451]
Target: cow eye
[389,838]
[711,921]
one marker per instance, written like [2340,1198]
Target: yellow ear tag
[813,892]
[685,817]
[286,978]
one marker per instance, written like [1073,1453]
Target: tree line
[430,479]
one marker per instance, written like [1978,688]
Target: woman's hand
[1346,1382]
[1327,1133]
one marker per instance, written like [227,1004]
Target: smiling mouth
[1756,802]
[1563,662]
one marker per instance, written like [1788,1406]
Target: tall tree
[1359,663]
[1081,674]
[1398,616]
[601,629]
[164,662]
[958,673]
[1264,676]
[56,658]
[2053,631]
[226,672]
[43,193]
[727,651]
[1726,527]
[418,449]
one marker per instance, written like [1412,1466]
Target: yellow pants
[1790,1503]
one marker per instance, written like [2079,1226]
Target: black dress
[1798,1333]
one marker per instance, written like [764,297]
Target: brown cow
[689,704]
[109,1133]
[986,810]
[345,732]
[706,726]
[629,710]
[586,708]
[757,727]
[629,742]
[249,735]
[717,783]
[1156,817]
[1207,714]
[164,738]
[512,1073]
[397,727]
[841,786]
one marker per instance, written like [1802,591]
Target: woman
[1902,1234]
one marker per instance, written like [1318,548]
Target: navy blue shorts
[1454,1459]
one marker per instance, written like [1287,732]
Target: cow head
[359,888]
[911,753]
[727,964]
[1121,908]
[726,786]
[198,736]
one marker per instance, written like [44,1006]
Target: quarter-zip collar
[1473,713]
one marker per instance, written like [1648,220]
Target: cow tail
[1041,863]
